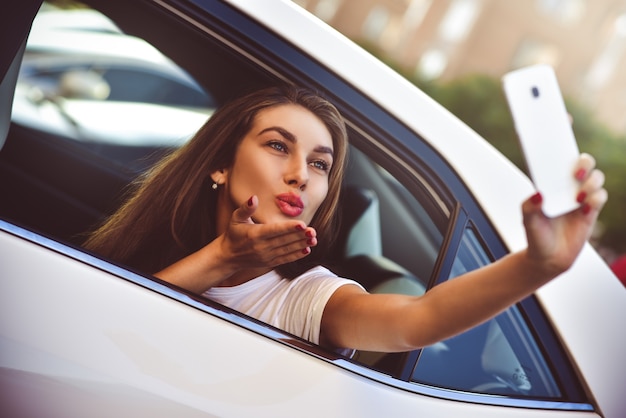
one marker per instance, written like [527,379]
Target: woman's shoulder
[322,276]
[318,270]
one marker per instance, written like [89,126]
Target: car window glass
[407,238]
[498,357]
[115,95]
[140,86]
[401,230]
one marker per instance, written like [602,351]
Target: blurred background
[457,51]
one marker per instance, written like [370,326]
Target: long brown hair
[172,211]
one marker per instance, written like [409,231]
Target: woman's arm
[388,323]
[355,319]
[243,251]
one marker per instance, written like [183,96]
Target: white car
[426,199]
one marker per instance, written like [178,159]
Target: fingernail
[299,227]
[309,234]
[536,199]
[586,209]
[581,197]
[250,201]
[306,250]
[580,174]
[310,241]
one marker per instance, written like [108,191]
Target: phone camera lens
[535,92]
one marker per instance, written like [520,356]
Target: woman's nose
[298,174]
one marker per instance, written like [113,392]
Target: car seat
[357,253]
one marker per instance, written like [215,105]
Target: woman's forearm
[468,300]
[198,271]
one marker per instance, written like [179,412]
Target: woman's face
[285,161]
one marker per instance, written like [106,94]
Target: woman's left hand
[555,243]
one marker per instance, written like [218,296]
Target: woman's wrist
[217,267]
[201,270]
[538,269]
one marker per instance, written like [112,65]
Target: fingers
[596,201]
[292,251]
[592,196]
[585,165]
[275,244]
[533,203]
[267,245]
[244,213]
[593,183]
[288,240]
[531,207]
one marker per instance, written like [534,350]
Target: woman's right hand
[246,244]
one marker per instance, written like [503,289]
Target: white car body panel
[56,341]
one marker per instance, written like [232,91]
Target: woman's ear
[219,177]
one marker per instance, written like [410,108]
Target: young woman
[243,212]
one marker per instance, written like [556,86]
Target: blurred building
[584,40]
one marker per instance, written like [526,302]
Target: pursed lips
[290,204]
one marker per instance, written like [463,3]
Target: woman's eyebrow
[282,131]
[292,138]
[324,150]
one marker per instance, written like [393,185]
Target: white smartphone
[545,134]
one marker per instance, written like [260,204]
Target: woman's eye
[320,165]
[277,145]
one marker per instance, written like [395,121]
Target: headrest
[7,88]
[359,223]
[14,27]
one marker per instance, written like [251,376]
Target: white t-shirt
[295,306]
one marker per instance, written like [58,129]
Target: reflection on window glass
[470,255]
[109,93]
[497,357]
[142,86]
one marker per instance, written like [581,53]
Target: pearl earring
[214,186]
